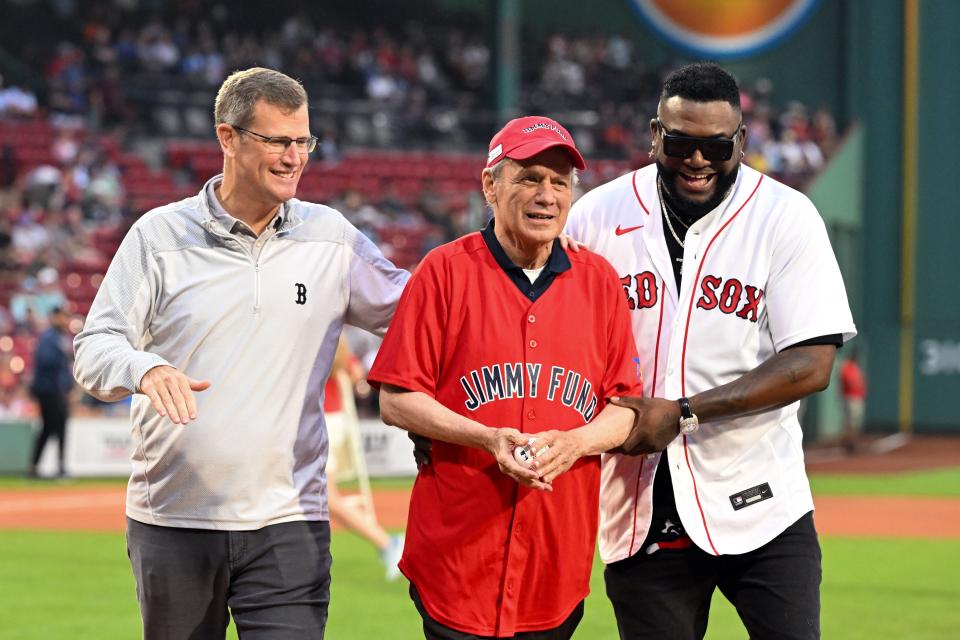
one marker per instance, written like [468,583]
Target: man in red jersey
[502,338]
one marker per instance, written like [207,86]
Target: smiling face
[696,184]
[531,200]
[265,177]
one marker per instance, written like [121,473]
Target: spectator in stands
[16,102]
[824,131]
[38,298]
[563,74]
[25,307]
[52,382]
[43,188]
[361,213]
[67,79]
[241,293]
[433,207]
[328,150]
[14,401]
[103,196]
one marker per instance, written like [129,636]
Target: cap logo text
[544,125]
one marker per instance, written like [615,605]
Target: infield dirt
[85,508]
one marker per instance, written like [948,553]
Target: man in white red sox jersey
[500,335]
[738,309]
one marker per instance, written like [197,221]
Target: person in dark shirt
[52,382]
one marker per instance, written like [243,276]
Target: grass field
[78,585]
[940,483]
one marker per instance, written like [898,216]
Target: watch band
[685,411]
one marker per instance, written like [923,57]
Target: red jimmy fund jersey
[488,556]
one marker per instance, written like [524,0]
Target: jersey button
[531,319]
[533,344]
[531,415]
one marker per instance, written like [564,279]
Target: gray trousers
[275,581]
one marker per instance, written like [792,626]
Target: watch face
[689,425]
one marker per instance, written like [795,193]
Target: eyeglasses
[712,149]
[280,144]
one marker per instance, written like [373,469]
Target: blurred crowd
[78,142]
[103,61]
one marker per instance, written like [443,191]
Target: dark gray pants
[275,581]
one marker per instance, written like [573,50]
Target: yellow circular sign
[724,28]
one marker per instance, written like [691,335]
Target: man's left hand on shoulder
[656,424]
[567,242]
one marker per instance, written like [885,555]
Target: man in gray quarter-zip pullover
[221,314]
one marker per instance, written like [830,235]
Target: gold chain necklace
[668,208]
[666,216]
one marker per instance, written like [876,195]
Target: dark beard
[688,211]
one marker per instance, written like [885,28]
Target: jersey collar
[557,263]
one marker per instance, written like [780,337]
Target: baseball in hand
[524,454]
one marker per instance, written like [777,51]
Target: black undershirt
[664,504]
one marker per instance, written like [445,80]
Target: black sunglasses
[712,149]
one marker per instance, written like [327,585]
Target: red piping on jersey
[656,352]
[683,357]
[636,500]
[653,392]
[633,181]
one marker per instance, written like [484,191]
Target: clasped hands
[656,424]
[554,453]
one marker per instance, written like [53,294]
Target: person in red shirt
[502,339]
[853,388]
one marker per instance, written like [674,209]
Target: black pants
[775,589]
[275,581]
[53,413]
[433,630]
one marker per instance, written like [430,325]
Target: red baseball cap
[523,138]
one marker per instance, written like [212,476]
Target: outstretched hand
[656,424]
[171,393]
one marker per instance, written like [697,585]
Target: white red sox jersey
[759,275]
[488,556]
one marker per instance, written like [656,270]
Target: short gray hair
[497,169]
[239,93]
